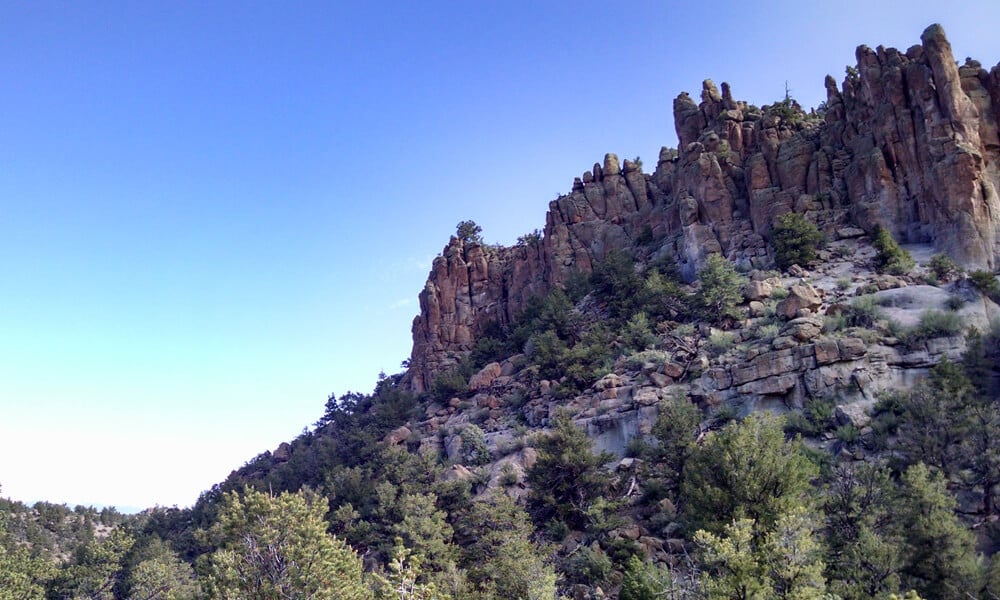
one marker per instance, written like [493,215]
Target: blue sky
[215,214]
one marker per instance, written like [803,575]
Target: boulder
[803,328]
[800,296]
[757,290]
[485,377]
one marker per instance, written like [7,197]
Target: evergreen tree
[22,577]
[277,547]
[425,530]
[796,240]
[890,258]
[96,568]
[940,553]
[936,418]
[503,562]
[720,289]
[864,554]
[675,430]
[747,470]
[567,477]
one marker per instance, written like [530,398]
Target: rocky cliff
[908,141]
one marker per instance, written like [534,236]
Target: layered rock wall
[909,141]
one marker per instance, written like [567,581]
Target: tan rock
[457,473]
[801,295]
[757,290]
[398,435]
[485,377]
[803,328]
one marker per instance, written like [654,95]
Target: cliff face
[909,141]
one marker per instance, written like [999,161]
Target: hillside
[767,369]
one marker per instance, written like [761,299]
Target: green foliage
[96,568]
[424,528]
[747,470]
[469,232]
[943,267]
[567,478]
[530,239]
[785,563]
[474,449]
[259,538]
[577,286]
[677,426]
[591,565]
[454,381]
[816,418]
[503,561]
[890,258]
[935,324]
[22,577]
[662,297]
[645,581]
[637,334]
[864,555]
[796,240]
[163,576]
[940,552]
[720,289]
[987,284]
[616,284]
[720,342]
[863,312]
[577,365]
[934,419]
[405,579]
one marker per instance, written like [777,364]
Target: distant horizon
[217,217]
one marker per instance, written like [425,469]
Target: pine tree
[864,554]
[747,470]
[940,552]
[277,547]
[720,289]
[503,561]
[568,477]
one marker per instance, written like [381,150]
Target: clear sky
[213,215]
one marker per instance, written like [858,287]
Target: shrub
[638,334]
[796,240]
[986,282]
[656,357]
[617,285]
[768,332]
[453,382]
[943,267]
[864,311]
[721,341]
[720,289]
[935,324]
[890,258]
[816,418]
[474,448]
[590,565]
[508,475]
[954,302]
[577,286]
[848,434]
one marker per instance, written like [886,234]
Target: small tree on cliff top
[469,232]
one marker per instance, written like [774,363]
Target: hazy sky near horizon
[213,215]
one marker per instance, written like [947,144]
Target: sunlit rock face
[908,141]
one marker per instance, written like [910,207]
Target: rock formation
[909,141]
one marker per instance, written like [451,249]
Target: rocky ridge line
[909,141]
